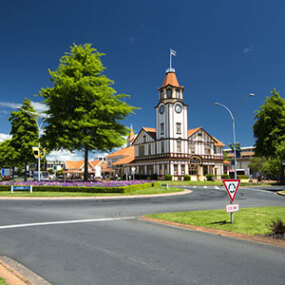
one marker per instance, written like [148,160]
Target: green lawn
[3,282]
[152,190]
[252,221]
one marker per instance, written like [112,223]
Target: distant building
[75,169]
[243,160]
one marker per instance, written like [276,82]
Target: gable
[145,135]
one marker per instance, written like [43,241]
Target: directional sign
[231,186]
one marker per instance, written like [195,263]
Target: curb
[99,197]
[259,239]
[15,273]
[280,193]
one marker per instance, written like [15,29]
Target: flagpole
[170,59]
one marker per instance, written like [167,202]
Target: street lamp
[234,132]
[35,117]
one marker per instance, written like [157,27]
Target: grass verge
[207,183]
[3,282]
[146,191]
[252,221]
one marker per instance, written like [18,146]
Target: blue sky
[225,50]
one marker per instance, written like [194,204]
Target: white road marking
[217,187]
[65,222]
[205,186]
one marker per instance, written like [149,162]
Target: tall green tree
[85,112]
[269,128]
[8,155]
[24,133]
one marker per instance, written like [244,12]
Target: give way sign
[231,186]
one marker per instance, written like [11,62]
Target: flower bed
[87,187]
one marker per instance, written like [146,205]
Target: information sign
[231,208]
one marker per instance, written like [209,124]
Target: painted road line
[217,187]
[205,186]
[65,222]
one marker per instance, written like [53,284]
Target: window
[149,149]
[169,93]
[160,169]
[191,147]
[178,128]
[161,95]
[155,145]
[208,149]
[165,169]
[175,169]
[141,150]
[178,146]
[144,138]
[162,147]
[192,170]
[177,93]
[162,128]
[182,169]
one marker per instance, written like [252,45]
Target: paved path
[103,242]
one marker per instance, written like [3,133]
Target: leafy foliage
[84,110]
[24,133]
[168,177]
[225,176]
[8,155]
[269,128]
[187,177]
[210,177]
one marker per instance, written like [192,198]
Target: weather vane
[172,53]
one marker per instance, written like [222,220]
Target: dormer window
[169,93]
[161,94]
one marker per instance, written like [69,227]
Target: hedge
[243,176]
[121,189]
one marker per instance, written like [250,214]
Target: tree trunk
[25,173]
[86,164]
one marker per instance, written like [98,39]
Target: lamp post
[34,116]
[234,132]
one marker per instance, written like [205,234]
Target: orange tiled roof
[218,143]
[150,131]
[126,151]
[70,164]
[95,162]
[125,160]
[192,131]
[170,79]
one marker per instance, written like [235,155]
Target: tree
[84,110]
[269,128]
[8,155]
[24,133]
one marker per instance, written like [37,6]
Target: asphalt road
[103,242]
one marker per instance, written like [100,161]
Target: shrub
[225,176]
[187,177]
[243,176]
[154,177]
[210,177]
[277,228]
[168,177]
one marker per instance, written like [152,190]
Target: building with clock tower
[170,148]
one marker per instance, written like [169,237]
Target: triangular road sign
[231,186]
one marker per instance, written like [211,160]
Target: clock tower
[171,117]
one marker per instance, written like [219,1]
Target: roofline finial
[172,53]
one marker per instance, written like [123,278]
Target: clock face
[161,109]
[178,108]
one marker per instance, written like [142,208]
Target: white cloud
[4,137]
[62,155]
[251,48]
[39,107]
[10,105]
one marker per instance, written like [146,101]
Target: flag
[172,52]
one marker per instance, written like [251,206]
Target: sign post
[231,186]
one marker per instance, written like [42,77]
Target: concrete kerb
[260,239]
[15,273]
[99,197]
